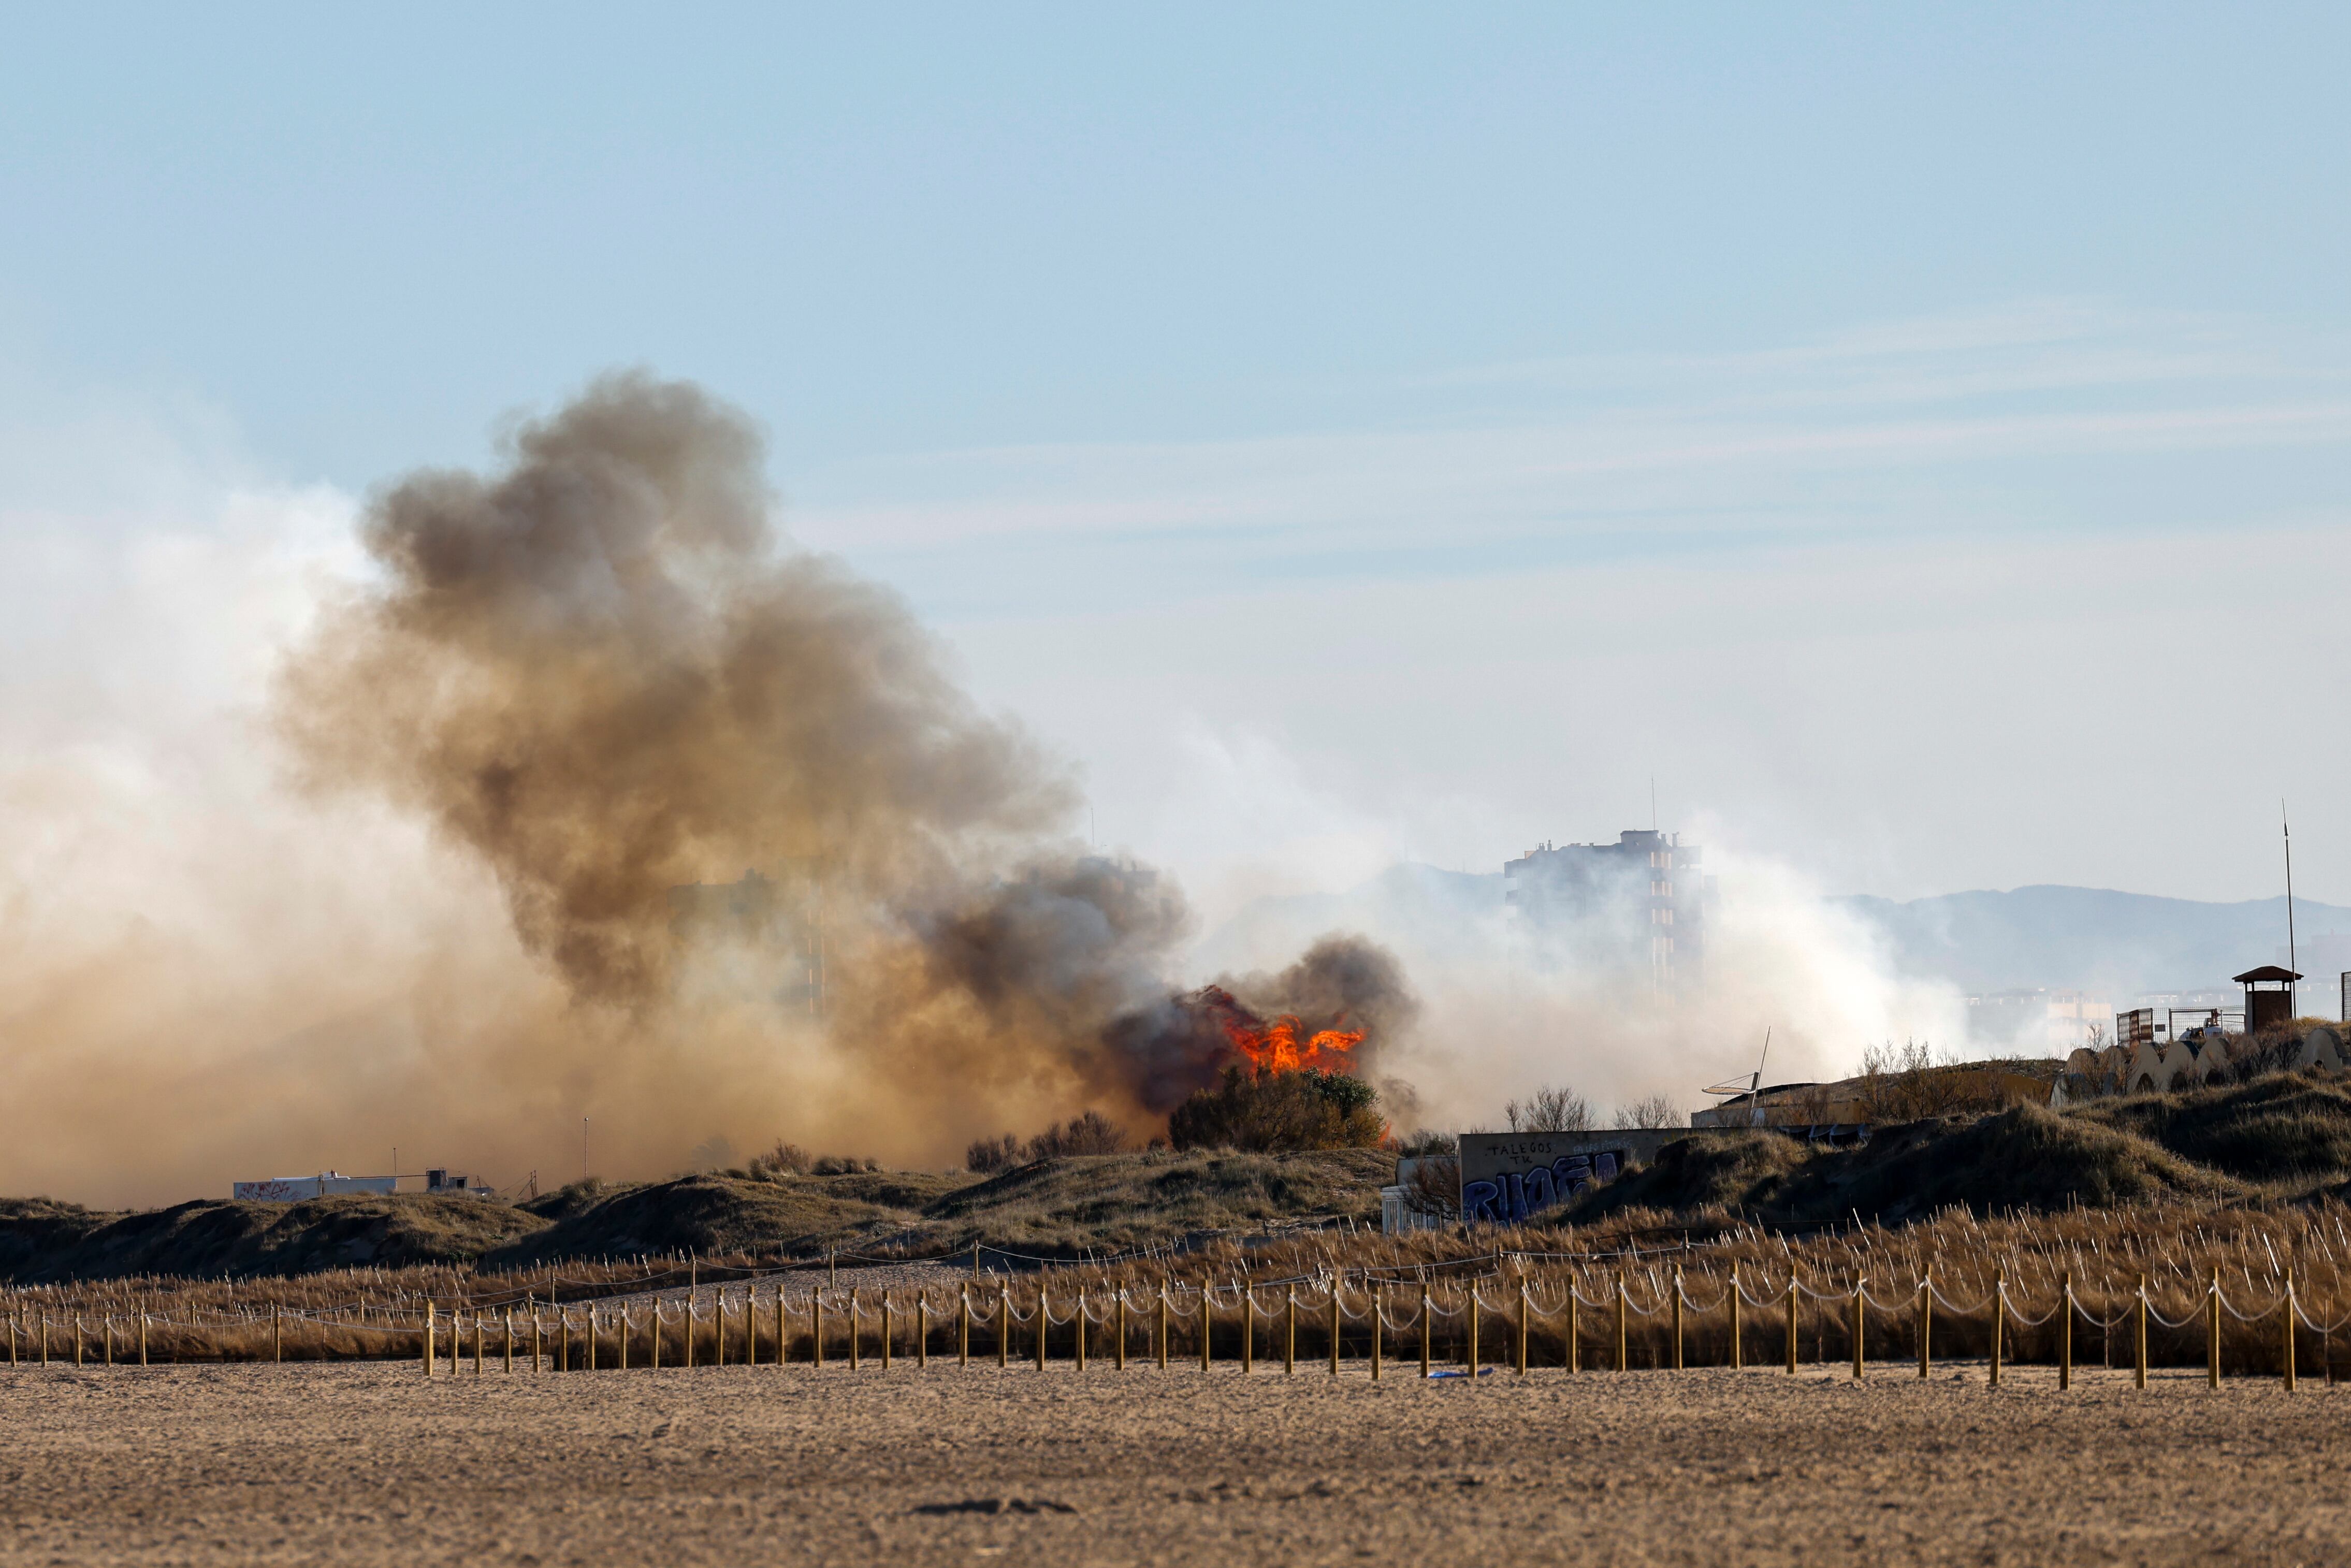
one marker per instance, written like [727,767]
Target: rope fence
[1523,1318]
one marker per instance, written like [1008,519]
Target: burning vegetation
[1295,1087]
[1278,1096]
[1272,1047]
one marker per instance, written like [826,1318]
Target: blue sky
[1347,433]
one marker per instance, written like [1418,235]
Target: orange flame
[1274,1048]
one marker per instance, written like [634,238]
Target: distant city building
[2326,960]
[2039,1019]
[783,916]
[1639,902]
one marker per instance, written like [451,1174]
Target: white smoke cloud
[1505,1012]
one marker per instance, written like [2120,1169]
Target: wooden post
[106,1340]
[1575,1328]
[1999,1319]
[1208,1318]
[1522,1320]
[750,1325]
[428,1339]
[1044,1321]
[816,1306]
[654,1334]
[2285,1331]
[783,1337]
[963,1326]
[1678,1317]
[1926,1321]
[562,1340]
[2139,1334]
[509,1342]
[2065,1334]
[478,1345]
[1077,1351]
[622,1336]
[1334,1326]
[1163,1323]
[1379,1323]
[1860,1328]
[718,1325]
[1792,1320]
[1248,1328]
[2212,1328]
[78,1332]
[1473,1327]
[142,1338]
[1290,1331]
[921,1327]
[536,1368]
[1738,1351]
[276,1335]
[1424,1328]
[886,1326]
[594,1315]
[1623,1360]
[1003,1322]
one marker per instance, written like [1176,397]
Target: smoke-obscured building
[2038,1019]
[1638,903]
[779,919]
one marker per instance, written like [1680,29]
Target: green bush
[1273,1113]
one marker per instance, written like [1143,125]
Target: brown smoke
[594,672]
[602,674]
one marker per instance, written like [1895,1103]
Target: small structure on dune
[2268,997]
[1846,1110]
[2200,1055]
[2160,1049]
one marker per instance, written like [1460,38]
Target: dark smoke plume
[593,671]
[602,673]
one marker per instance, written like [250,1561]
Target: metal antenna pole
[2293,1007]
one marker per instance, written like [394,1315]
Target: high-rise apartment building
[784,918]
[1639,903]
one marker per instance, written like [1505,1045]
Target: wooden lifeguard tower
[2268,996]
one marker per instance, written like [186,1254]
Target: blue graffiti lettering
[1571,1174]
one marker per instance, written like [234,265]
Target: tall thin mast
[2292,1009]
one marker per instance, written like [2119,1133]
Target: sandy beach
[372,1464]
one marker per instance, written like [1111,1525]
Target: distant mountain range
[2116,946]
[2119,944]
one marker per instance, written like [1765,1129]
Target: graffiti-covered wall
[1508,1176]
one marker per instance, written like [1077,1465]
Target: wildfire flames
[1273,1045]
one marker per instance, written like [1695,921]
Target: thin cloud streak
[1757,435]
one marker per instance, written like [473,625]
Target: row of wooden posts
[482,1328]
[1518,1331]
